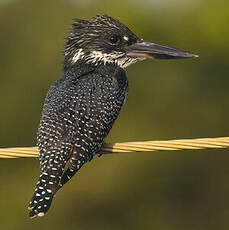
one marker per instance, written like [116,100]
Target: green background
[168,99]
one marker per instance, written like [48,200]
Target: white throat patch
[98,57]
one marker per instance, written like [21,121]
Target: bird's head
[105,40]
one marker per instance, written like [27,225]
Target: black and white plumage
[81,107]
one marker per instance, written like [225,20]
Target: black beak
[144,49]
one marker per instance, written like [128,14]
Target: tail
[42,198]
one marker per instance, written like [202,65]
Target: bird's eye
[114,40]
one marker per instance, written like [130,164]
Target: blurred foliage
[167,100]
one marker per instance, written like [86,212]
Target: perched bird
[81,107]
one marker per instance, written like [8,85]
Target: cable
[181,144]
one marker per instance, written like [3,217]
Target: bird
[81,107]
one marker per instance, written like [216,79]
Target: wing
[77,116]
[56,131]
[100,99]
[55,140]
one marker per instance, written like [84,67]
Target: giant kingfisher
[81,107]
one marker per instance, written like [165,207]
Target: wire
[182,144]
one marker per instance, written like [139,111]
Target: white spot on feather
[78,55]
[41,214]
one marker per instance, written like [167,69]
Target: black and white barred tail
[43,195]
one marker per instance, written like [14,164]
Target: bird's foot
[100,154]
